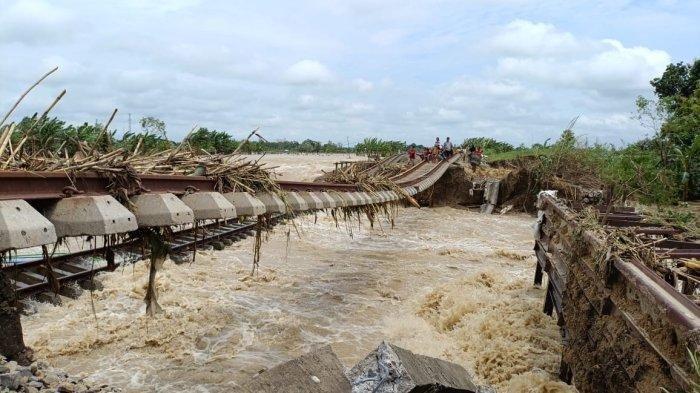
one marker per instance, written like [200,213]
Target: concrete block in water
[90,215]
[273,203]
[209,206]
[319,371]
[246,204]
[296,202]
[491,189]
[327,199]
[159,210]
[312,200]
[390,369]
[22,227]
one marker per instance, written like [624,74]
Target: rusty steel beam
[682,253]
[675,305]
[32,186]
[55,185]
[437,167]
[314,186]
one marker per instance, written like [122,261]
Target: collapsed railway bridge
[38,209]
[625,326]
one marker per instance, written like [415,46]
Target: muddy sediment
[460,186]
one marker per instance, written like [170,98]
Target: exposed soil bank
[461,187]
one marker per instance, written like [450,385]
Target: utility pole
[130,123]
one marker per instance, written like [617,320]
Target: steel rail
[46,186]
[677,307]
[678,310]
[181,240]
[35,186]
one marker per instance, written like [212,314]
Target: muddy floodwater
[303,167]
[443,282]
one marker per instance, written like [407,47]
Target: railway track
[29,276]
[34,275]
[631,311]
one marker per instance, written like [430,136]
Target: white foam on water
[436,284]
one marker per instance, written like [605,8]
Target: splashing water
[444,282]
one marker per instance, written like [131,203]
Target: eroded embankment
[624,328]
[445,282]
[460,186]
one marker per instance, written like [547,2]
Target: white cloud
[395,70]
[306,101]
[35,22]
[525,38]
[362,85]
[449,115]
[357,108]
[308,72]
[387,37]
[540,53]
[504,89]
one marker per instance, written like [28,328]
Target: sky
[345,70]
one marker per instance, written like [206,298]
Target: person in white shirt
[447,149]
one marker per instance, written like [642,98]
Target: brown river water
[443,282]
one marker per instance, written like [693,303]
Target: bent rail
[46,189]
[614,310]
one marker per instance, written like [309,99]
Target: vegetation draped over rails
[661,169]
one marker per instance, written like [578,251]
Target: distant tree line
[55,135]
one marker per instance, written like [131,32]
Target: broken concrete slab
[209,206]
[391,369]
[319,371]
[273,203]
[90,215]
[491,189]
[22,227]
[159,210]
[246,205]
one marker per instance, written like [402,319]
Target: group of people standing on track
[437,152]
[444,151]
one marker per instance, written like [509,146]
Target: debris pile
[40,377]
[387,369]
